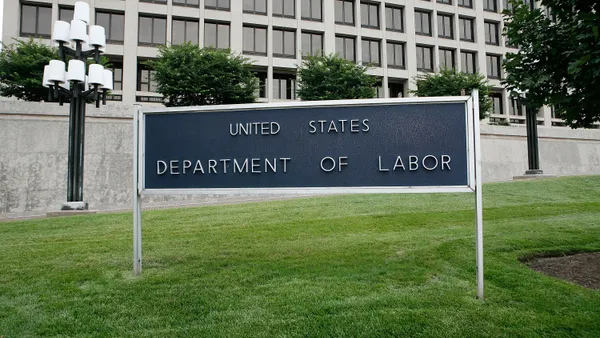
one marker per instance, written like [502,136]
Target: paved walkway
[220,200]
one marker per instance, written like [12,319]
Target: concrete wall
[33,155]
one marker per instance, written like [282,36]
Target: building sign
[383,144]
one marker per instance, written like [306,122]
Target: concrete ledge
[533,177]
[69,213]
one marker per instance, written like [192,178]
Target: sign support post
[478,196]
[137,203]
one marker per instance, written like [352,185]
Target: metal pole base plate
[74,206]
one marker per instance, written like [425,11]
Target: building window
[262,83]
[255,7]
[189,3]
[114,26]
[467,62]
[395,89]
[146,81]
[284,86]
[447,2]
[117,70]
[162,2]
[445,28]
[465,26]
[508,5]
[369,15]
[344,46]
[423,23]
[446,58]
[184,31]
[216,35]
[491,33]
[516,108]
[312,43]
[395,55]
[497,108]
[152,30]
[284,43]
[344,12]
[255,40]
[371,52]
[490,5]
[493,66]
[284,8]
[465,3]
[220,5]
[36,20]
[425,58]
[312,10]
[393,19]
[65,14]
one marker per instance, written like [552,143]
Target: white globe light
[108,79]
[76,71]
[96,74]
[61,31]
[97,36]
[56,72]
[45,81]
[78,30]
[82,12]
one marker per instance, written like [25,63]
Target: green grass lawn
[340,266]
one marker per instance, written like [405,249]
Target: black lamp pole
[77,97]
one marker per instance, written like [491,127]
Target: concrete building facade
[399,38]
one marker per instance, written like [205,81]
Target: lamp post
[76,46]
[533,150]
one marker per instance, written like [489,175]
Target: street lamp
[76,46]
[533,149]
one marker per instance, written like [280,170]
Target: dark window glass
[221,5]
[65,14]
[216,35]
[491,33]
[284,86]
[445,26]
[395,55]
[284,8]
[446,58]
[465,3]
[447,2]
[190,3]
[152,30]
[312,10]
[423,23]
[35,20]
[516,107]
[312,43]
[255,40]
[493,66]
[371,52]
[396,89]
[466,29]
[262,83]
[369,15]
[496,103]
[114,25]
[467,62]
[344,46]
[117,69]
[490,5]
[394,19]
[162,2]
[284,43]
[344,12]
[184,31]
[425,58]
[255,6]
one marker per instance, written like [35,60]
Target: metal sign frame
[473,165]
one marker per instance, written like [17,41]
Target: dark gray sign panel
[382,144]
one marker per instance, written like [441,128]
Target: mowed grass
[338,266]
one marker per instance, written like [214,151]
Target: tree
[22,69]
[188,75]
[558,62]
[449,82]
[330,77]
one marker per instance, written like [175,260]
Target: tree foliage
[449,82]
[188,75]
[22,69]
[330,77]
[558,62]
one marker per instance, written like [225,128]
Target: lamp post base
[74,206]
[534,172]
[533,175]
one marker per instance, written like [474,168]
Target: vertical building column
[383,57]
[130,52]
[328,15]
[411,45]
